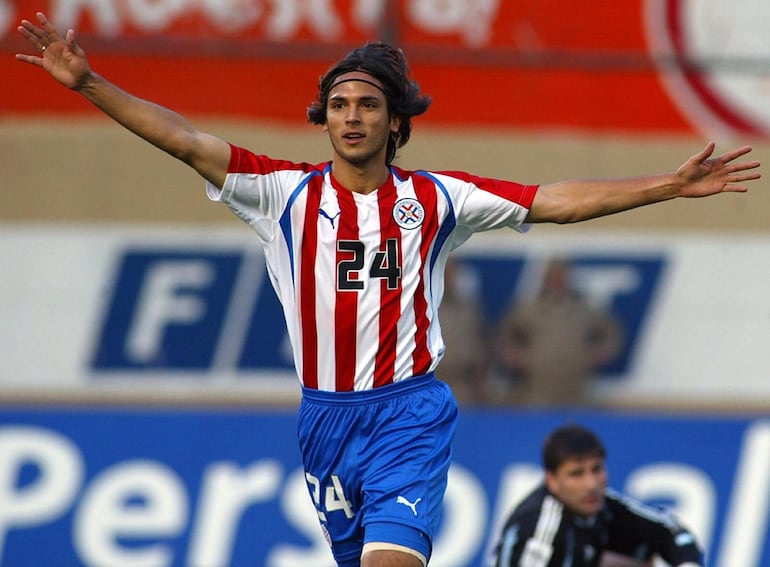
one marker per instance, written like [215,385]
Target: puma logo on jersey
[325,215]
[405,502]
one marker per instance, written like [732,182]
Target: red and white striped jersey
[360,277]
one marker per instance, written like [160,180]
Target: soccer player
[574,520]
[356,249]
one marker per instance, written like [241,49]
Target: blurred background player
[549,347]
[574,520]
[465,365]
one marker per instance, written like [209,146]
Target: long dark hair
[388,65]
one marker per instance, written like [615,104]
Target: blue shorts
[376,463]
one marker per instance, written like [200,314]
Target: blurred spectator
[548,349]
[465,364]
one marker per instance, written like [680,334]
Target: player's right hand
[62,58]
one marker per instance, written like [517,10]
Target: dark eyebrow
[364,98]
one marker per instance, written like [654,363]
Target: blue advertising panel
[183,487]
[181,309]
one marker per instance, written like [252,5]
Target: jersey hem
[400,388]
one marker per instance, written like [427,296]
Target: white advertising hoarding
[154,311]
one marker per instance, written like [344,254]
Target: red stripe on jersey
[346,305]
[426,193]
[307,285]
[390,286]
[244,161]
[516,192]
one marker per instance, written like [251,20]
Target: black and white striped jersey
[541,532]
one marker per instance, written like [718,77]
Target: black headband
[375,85]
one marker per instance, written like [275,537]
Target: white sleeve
[482,203]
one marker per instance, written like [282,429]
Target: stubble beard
[363,157]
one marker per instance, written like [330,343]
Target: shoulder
[536,504]
[441,178]
[623,506]
[616,501]
[484,191]
[243,160]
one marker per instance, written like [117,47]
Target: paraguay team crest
[408,213]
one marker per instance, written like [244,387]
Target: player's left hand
[702,175]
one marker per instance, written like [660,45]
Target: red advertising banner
[471,23]
[644,66]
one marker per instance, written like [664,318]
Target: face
[579,484]
[358,122]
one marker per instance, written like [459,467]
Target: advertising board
[138,311]
[205,488]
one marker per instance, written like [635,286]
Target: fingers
[745,176]
[732,188]
[48,28]
[26,29]
[744,167]
[30,31]
[29,59]
[33,34]
[736,153]
[705,153]
[729,157]
[740,173]
[40,37]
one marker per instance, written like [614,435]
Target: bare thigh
[389,558]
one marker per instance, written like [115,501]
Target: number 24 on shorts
[334,497]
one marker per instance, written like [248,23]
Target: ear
[325,127]
[395,123]
[550,481]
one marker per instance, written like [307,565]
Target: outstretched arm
[700,176]
[66,62]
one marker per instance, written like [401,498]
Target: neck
[363,180]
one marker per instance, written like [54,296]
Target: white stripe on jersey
[539,548]
[549,520]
